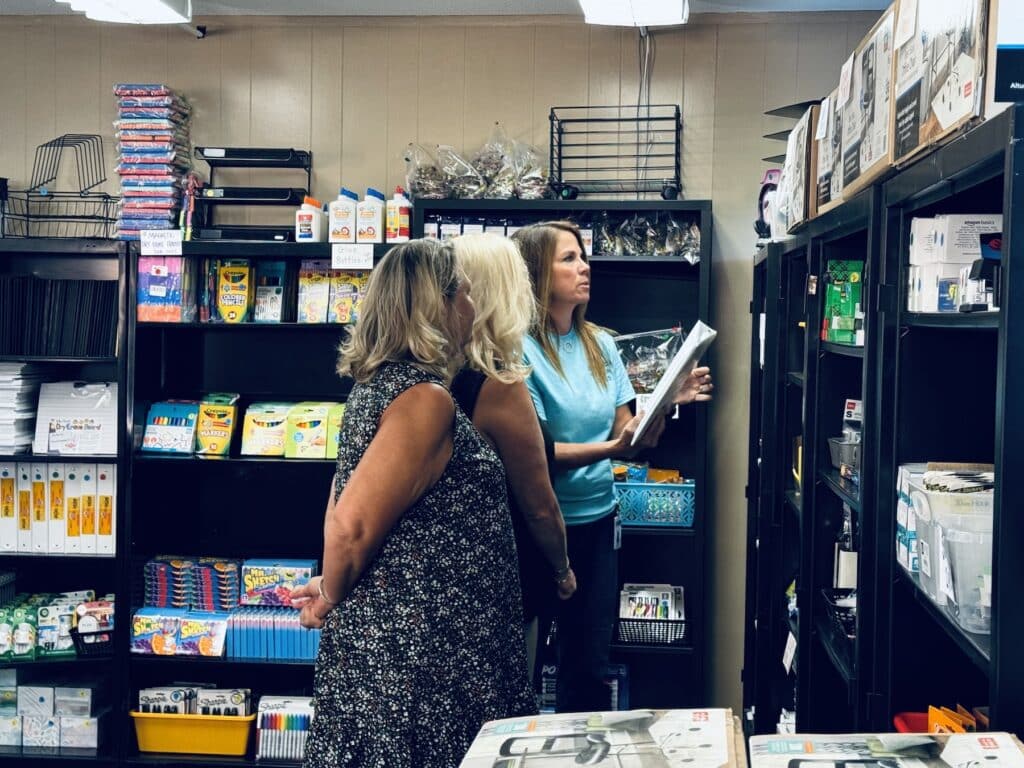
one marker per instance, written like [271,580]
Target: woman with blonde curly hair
[491,389]
[419,603]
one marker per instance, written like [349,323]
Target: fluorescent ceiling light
[134,11]
[636,13]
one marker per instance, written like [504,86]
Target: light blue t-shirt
[577,409]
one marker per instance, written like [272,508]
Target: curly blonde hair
[407,314]
[505,307]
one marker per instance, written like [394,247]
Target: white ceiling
[447,7]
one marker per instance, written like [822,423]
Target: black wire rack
[41,212]
[597,150]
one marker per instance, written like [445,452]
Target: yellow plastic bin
[193,734]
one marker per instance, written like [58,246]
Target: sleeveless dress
[428,645]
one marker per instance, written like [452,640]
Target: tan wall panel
[700,72]
[563,50]
[14,154]
[403,100]
[364,149]
[442,86]
[325,127]
[77,89]
[40,105]
[236,57]
[499,84]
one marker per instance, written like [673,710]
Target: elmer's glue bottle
[399,209]
[309,222]
[342,217]
[370,218]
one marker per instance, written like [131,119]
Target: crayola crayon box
[235,290]
[217,418]
[202,633]
[171,427]
[263,432]
[306,434]
[270,582]
[314,290]
[334,418]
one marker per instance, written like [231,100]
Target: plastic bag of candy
[647,356]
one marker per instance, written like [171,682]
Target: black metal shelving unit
[631,295]
[76,259]
[908,652]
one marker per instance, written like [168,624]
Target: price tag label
[790,654]
[351,256]
[160,242]
[846,81]
[214,152]
[824,115]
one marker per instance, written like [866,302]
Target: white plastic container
[370,218]
[399,211]
[309,222]
[341,215]
[969,553]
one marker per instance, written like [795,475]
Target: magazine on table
[642,738]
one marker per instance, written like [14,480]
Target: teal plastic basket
[665,504]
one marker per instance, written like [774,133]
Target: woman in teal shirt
[581,392]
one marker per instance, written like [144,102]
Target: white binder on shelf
[88,489]
[40,513]
[73,511]
[24,507]
[8,507]
[57,509]
[106,508]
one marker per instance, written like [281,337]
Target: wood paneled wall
[356,91]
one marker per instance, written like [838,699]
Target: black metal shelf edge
[774,159]
[842,349]
[642,259]
[149,658]
[249,157]
[70,360]
[189,458]
[238,327]
[55,661]
[795,500]
[658,530]
[976,647]
[792,111]
[795,378]
[263,249]
[844,489]
[646,648]
[982,320]
[252,196]
[541,206]
[49,458]
[60,246]
[28,757]
[841,666]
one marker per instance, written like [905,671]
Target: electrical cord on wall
[646,52]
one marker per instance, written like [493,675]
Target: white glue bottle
[399,210]
[370,218]
[342,217]
[309,221]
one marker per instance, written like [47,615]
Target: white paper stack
[19,390]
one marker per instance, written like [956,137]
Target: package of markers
[171,427]
[282,727]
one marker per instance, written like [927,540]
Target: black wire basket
[652,631]
[41,212]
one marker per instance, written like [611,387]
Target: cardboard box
[956,236]
[270,582]
[867,124]
[306,431]
[10,731]
[40,731]
[218,414]
[81,732]
[796,172]
[334,418]
[76,700]
[938,287]
[8,700]
[922,241]
[828,166]
[940,66]
[35,700]
[263,431]
[1005,66]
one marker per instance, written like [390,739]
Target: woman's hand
[314,607]
[623,442]
[567,586]
[697,387]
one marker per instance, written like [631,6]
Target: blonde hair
[538,243]
[505,307]
[407,314]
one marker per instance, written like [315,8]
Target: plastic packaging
[494,163]
[423,177]
[531,171]
[647,356]
[463,180]
[342,217]
[309,222]
[398,213]
[370,218]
